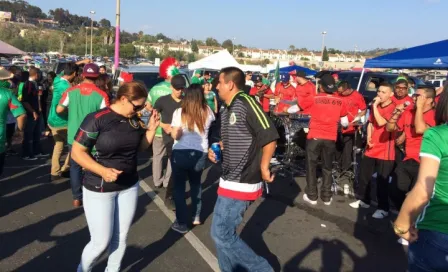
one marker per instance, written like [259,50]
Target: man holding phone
[248,143]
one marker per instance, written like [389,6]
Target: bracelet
[399,231]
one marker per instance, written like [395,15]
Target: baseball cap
[126,77]
[284,77]
[300,73]
[401,81]
[5,74]
[178,82]
[257,78]
[328,83]
[91,70]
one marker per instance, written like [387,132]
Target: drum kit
[291,148]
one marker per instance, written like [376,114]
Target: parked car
[148,74]
[437,82]
[370,81]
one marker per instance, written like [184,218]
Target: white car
[17,61]
[438,82]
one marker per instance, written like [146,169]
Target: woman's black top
[113,141]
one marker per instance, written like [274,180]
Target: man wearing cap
[356,108]
[167,70]
[166,105]
[8,103]
[379,156]
[196,79]
[326,113]
[285,94]
[262,93]
[81,100]
[305,91]
[125,78]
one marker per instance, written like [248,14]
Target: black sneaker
[28,158]
[11,152]
[55,178]
[181,228]
[169,203]
[42,155]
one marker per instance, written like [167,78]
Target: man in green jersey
[197,79]
[168,69]
[81,100]
[58,122]
[8,103]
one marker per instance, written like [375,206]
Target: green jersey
[210,98]
[159,90]
[434,145]
[196,80]
[8,103]
[81,100]
[55,120]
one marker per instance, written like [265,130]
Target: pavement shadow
[282,193]
[66,254]
[32,190]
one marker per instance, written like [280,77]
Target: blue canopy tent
[287,69]
[428,56]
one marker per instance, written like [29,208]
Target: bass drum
[293,132]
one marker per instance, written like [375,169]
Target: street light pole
[323,44]
[117,37]
[85,28]
[91,33]
[233,46]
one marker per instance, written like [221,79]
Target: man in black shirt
[166,105]
[30,99]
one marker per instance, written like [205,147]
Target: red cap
[126,77]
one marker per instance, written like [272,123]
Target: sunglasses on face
[136,108]
[401,88]
[416,95]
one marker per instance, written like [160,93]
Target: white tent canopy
[216,61]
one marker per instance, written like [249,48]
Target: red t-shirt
[288,93]
[305,96]
[355,102]
[326,113]
[383,141]
[414,140]
[403,100]
[264,101]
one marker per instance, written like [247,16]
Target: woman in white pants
[106,145]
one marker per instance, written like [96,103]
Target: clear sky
[278,23]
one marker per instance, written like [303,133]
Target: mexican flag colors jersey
[161,89]
[8,102]
[80,101]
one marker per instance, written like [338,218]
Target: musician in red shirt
[413,123]
[379,155]
[326,113]
[401,93]
[305,91]
[262,93]
[356,108]
[285,94]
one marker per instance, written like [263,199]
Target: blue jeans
[429,252]
[31,138]
[187,164]
[109,217]
[76,176]
[233,253]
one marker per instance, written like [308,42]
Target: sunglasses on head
[136,107]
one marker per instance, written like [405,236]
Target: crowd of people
[104,134]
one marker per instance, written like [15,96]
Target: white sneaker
[403,242]
[312,202]
[274,161]
[328,203]
[380,214]
[357,204]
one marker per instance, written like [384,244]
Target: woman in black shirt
[106,145]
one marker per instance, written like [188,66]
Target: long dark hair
[442,107]
[194,108]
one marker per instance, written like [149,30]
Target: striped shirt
[245,129]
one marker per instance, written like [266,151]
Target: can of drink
[217,150]
[346,189]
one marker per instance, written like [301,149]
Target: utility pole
[91,33]
[323,44]
[117,37]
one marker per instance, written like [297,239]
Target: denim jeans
[76,177]
[429,252]
[31,138]
[187,164]
[233,253]
[109,217]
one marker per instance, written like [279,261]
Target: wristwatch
[399,231]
